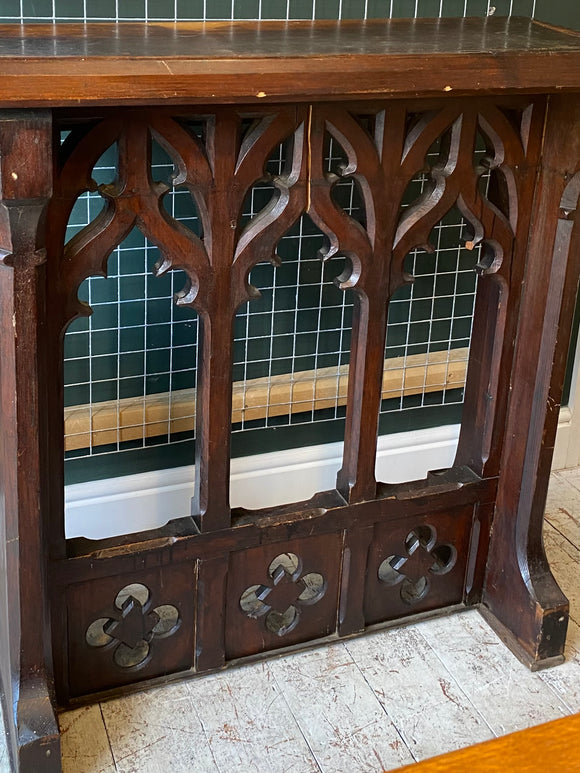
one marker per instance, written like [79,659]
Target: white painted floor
[370,704]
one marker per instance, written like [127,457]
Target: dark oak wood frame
[83,620]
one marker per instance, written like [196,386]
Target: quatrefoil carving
[424,557]
[279,602]
[133,627]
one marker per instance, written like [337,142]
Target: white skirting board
[106,508]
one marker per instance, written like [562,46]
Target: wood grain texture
[565,563]
[506,695]
[422,698]
[346,728]
[539,617]
[25,670]
[87,745]
[563,505]
[554,747]
[143,730]
[565,680]
[218,585]
[252,739]
[156,731]
[182,63]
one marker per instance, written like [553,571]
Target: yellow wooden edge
[550,748]
[133,418]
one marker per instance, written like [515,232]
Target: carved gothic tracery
[133,626]
[424,557]
[280,602]
[219,155]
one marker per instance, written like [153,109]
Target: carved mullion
[257,242]
[345,235]
[449,178]
[269,131]
[78,156]
[87,255]
[456,183]
[429,127]
[233,253]
[373,164]
[186,150]
[503,243]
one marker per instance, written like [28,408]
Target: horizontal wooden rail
[132,418]
[271,61]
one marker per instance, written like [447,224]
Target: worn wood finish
[219,585]
[537,380]
[134,64]
[25,663]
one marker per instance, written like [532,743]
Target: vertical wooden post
[211,506]
[521,598]
[25,663]
[375,160]
[356,478]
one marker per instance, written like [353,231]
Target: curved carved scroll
[369,161]
[454,181]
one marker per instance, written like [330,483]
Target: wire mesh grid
[30,11]
[126,362]
[130,368]
[298,373]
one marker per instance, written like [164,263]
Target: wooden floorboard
[505,693]
[420,695]
[344,722]
[4,767]
[373,703]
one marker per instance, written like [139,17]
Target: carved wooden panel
[210,587]
[218,164]
[281,594]
[364,552]
[416,565]
[130,627]
[385,148]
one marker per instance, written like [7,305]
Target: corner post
[521,599]
[25,655]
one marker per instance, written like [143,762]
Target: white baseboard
[107,508]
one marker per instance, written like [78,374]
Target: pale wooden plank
[248,724]
[420,695]
[158,731]
[563,506]
[571,476]
[564,558]
[338,713]
[504,691]
[4,763]
[84,743]
[565,679]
